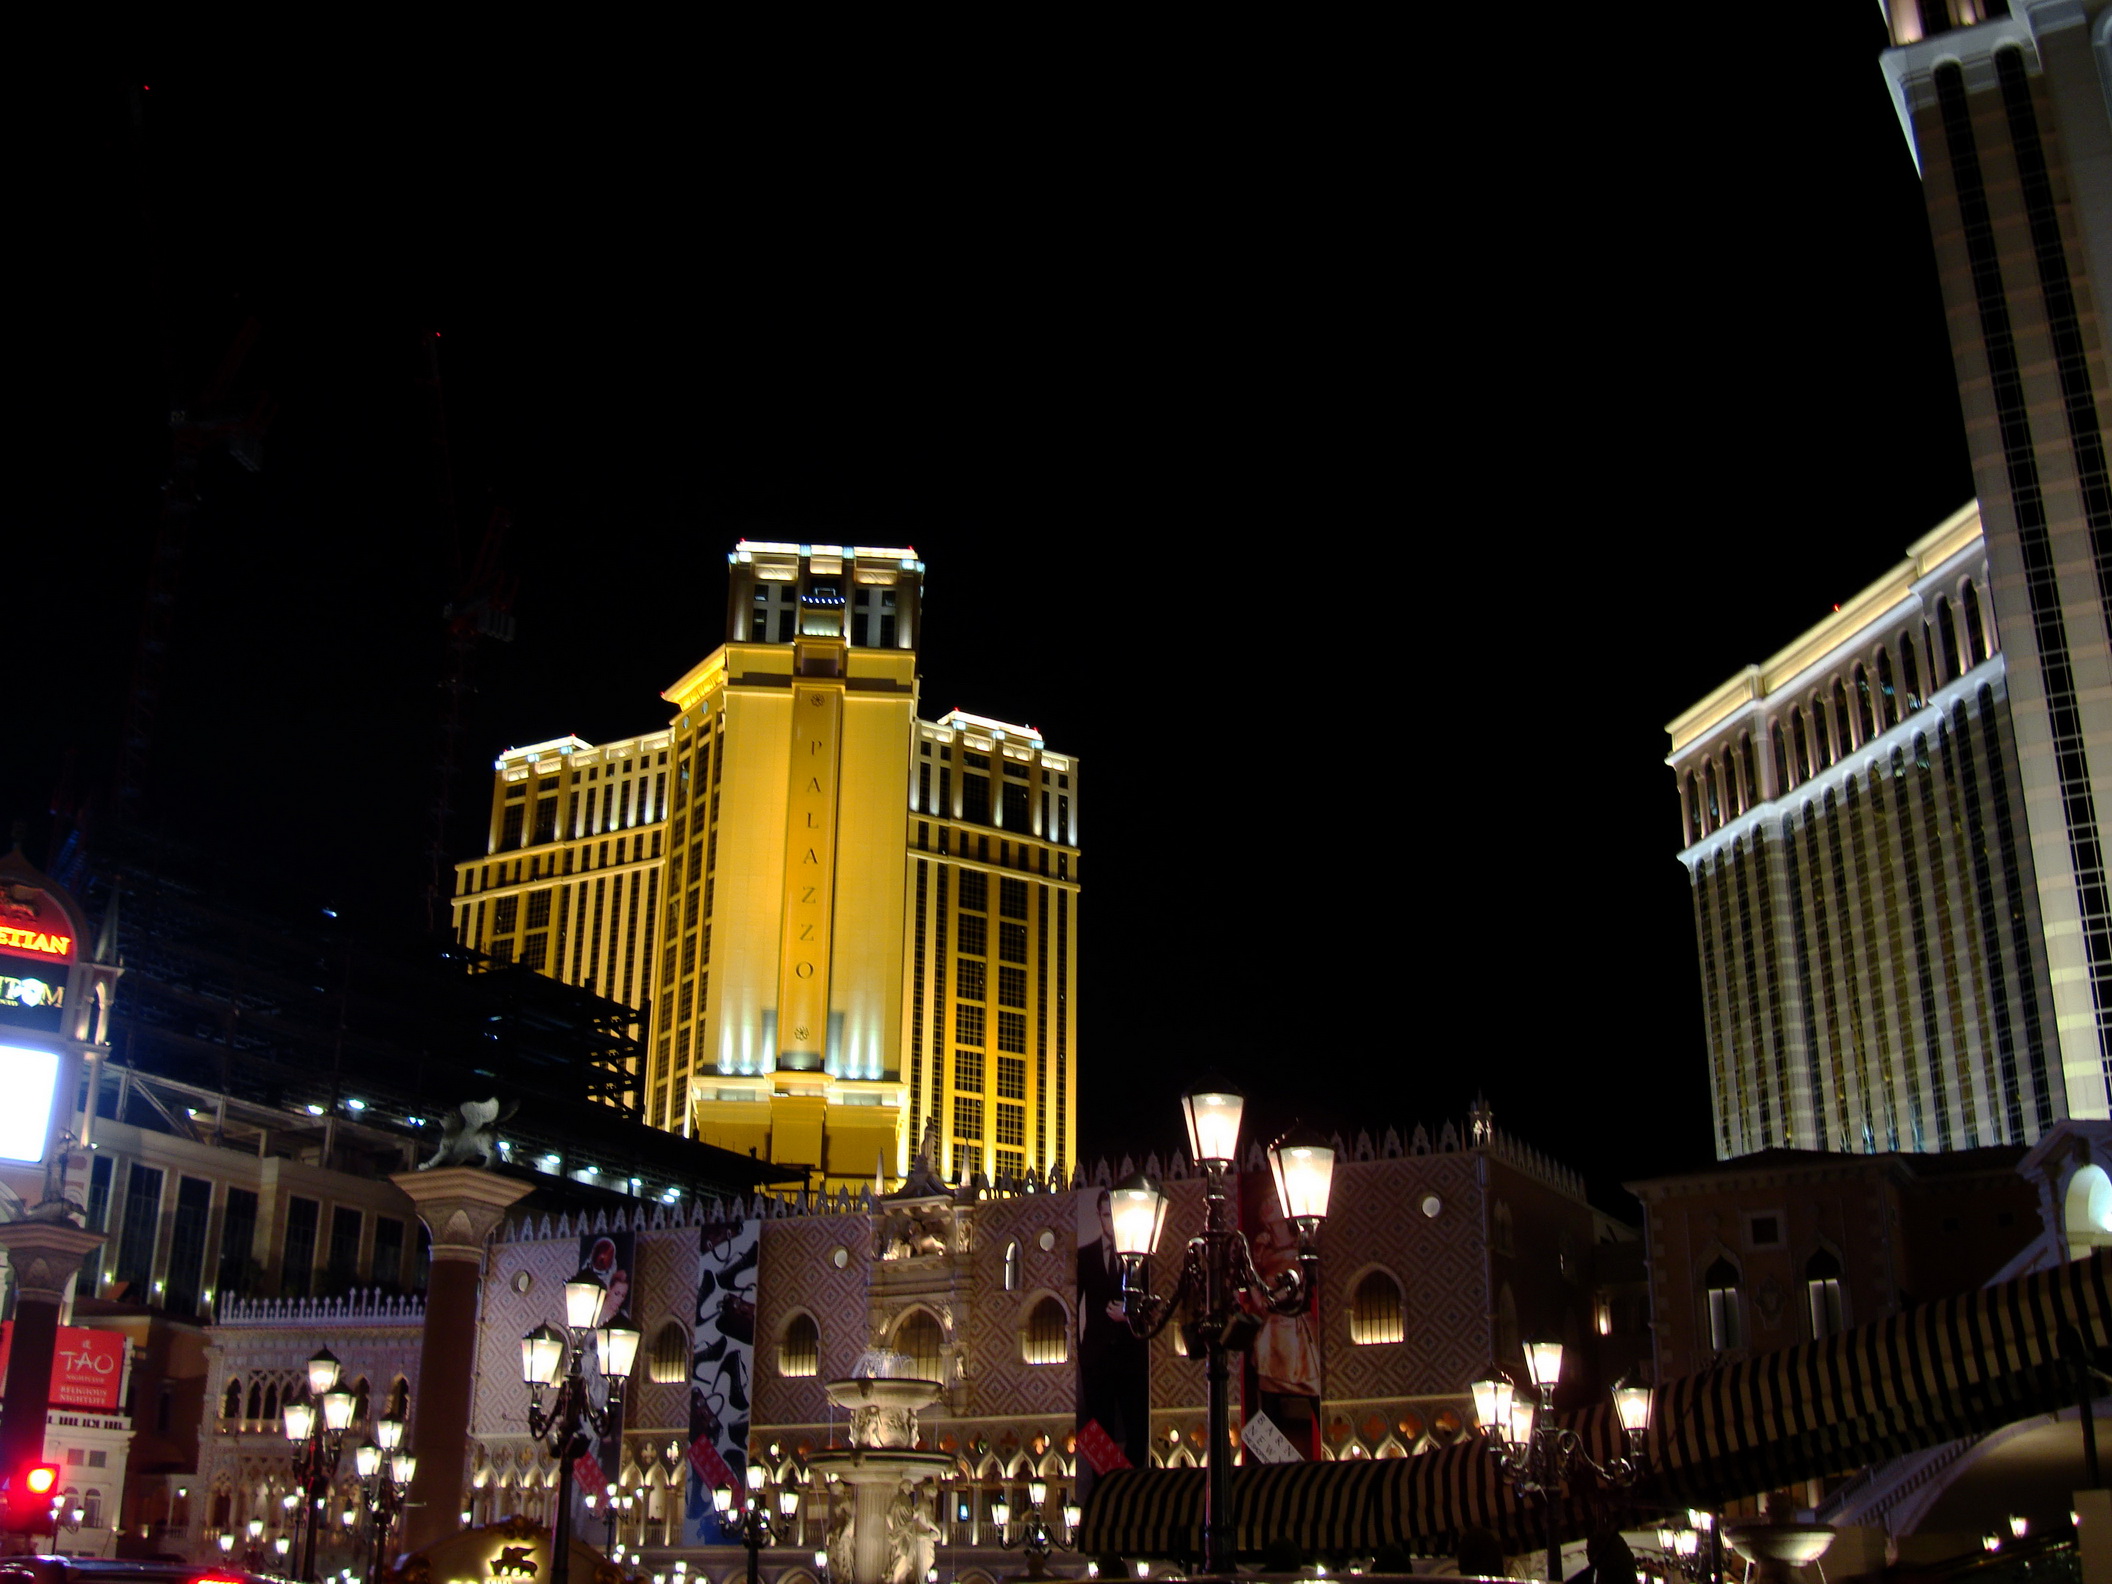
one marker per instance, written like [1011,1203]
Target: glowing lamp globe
[1138,1210]
[1212,1111]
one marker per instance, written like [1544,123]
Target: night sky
[1353,449]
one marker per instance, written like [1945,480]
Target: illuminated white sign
[28,1081]
[27,992]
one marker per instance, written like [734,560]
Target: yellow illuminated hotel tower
[835,918]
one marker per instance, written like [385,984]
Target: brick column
[461,1206]
[45,1256]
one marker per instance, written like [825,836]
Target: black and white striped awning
[1960,1366]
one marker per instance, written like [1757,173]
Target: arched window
[1888,700]
[1046,1336]
[1796,725]
[1843,736]
[1693,810]
[400,1399]
[1749,791]
[1976,633]
[1375,1310]
[1910,672]
[1712,805]
[92,1510]
[271,1403]
[360,1399]
[256,1400]
[1947,631]
[668,1361]
[1865,710]
[799,1352]
[231,1403]
[1012,1266]
[1782,780]
[1720,1281]
[919,1336]
[1822,1290]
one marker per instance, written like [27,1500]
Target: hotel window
[975,798]
[972,934]
[1046,1336]
[506,915]
[1842,733]
[975,891]
[238,1236]
[1012,943]
[1712,806]
[968,1071]
[967,1117]
[1947,631]
[668,1359]
[1012,987]
[1012,1031]
[1012,1126]
[968,981]
[968,1025]
[533,948]
[1910,672]
[1866,716]
[388,1251]
[1011,1077]
[1822,1291]
[798,1355]
[1976,626]
[1015,806]
[1012,898]
[1888,696]
[1796,726]
[297,1271]
[545,820]
[1375,1311]
[1726,1327]
[511,825]
[141,1225]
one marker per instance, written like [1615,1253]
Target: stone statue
[470,1134]
[914,1231]
[912,1537]
[924,1181]
[839,1544]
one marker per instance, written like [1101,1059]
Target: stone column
[46,1255]
[461,1206]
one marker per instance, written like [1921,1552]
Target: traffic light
[29,1496]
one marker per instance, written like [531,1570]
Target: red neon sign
[40,942]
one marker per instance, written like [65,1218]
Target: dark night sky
[1354,449]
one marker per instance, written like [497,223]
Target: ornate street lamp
[756,1529]
[1036,1538]
[554,1358]
[1218,1270]
[385,1472]
[1539,1454]
[316,1426]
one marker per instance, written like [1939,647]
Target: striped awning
[1960,1366]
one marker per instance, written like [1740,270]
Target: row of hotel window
[1723,1290]
[181,1289]
[588,810]
[1830,723]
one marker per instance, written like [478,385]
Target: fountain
[883,1399]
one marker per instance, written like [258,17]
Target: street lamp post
[1036,1538]
[1537,1453]
[385,1469]
[555,1357]
[756,1529]
[1217,1271]
[316,1426]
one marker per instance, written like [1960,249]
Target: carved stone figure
[913,1231]
[470,1134]
[839,1544]
[912,1536]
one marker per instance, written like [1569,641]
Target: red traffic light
[41,1479]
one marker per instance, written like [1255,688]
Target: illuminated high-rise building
[836,919]
[1896,828]
[1873,970]
[2005,103]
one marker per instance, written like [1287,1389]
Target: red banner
[87,1367]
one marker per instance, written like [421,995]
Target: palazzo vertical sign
[810,878]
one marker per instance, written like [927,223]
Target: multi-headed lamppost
[1218,1270]
[1537,1453]
[318,1439]
[385,1469]
[553,1356]
[1036,1539]
[756,1529]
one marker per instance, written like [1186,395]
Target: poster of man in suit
[1114,1391]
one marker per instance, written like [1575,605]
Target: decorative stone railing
[370,1307]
